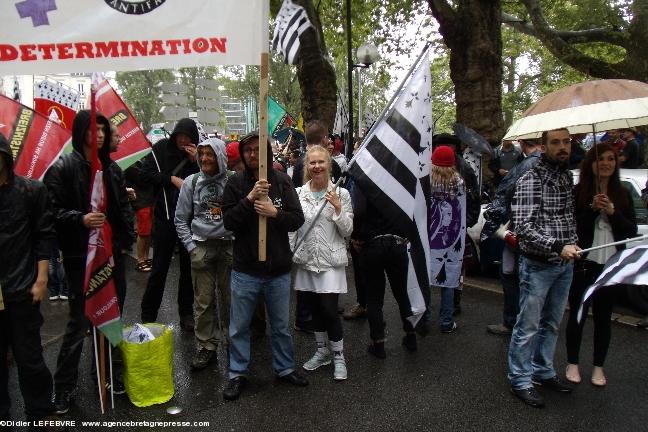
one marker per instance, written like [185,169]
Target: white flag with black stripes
[626,267]
[291,22]
[393,171]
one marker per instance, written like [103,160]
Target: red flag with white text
[36,141]
[133,144]
[101,305]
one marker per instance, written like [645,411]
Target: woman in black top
[604,213]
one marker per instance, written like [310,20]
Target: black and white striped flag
[393,171]
[291,22]
[626,267]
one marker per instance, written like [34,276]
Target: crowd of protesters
[202,198]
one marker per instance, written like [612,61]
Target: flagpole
[97,369]
[389,105]
[263,124]
[634,239]
[364,143]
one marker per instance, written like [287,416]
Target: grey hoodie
[198,213]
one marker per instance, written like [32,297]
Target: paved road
[454,382]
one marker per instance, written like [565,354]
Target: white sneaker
[339,369]
[319,359]
[53,298]
[63,297]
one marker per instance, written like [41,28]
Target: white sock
[322,342]
[338,348]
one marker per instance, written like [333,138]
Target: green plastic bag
[148,367]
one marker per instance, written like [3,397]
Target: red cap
[232,151]
[443,156]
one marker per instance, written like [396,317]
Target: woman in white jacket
[322,257]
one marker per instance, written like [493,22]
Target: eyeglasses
[250,150]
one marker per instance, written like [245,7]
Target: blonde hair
[315,149]
[446,179]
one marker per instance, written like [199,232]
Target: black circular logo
[134,7]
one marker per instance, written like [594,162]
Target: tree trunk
[315,73]
[473,34]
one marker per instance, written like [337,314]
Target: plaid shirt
[543,211]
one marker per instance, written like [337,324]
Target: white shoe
[339,369]
[54,298]
[319,359]
[63,297]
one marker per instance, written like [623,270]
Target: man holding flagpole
[544,221]
[69,184]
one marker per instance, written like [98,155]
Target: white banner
[52,36]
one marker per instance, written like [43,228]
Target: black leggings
[325,314]
[602,302]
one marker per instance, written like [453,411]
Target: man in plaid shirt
[544,221]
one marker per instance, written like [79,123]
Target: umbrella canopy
[472,139]
[586,107]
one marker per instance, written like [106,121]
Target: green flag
[278,117]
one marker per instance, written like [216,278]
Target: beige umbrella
[591,106]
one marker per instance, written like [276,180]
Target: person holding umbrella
[604,214]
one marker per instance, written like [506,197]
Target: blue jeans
[446,308]
[245,290]
[544,289]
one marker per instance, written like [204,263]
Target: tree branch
[613,37]
[446,16]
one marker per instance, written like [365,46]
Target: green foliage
[139,91]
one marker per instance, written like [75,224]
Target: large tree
[471,29]
[600,38]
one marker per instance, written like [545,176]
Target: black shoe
[499,329]
[422,328]
[62,401]
[187,323]
[449,328]
[234,387]
[294,378]
[643,323]
[529,396]
[409,341]
[117,388]
[556,384]
[377,349]
[203,358]
[305,326]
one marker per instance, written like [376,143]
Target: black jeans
[382,256]
[325,315]
[359,278]
[585,273]
[165,239]
[20,325]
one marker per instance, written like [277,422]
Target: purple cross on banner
[37,10]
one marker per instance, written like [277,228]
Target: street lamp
[367,54]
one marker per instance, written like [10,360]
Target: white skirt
[326,282]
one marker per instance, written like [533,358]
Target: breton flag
[291,22]
[393,171]
[626,267]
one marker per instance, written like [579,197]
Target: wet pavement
[453,382]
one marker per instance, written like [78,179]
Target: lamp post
[367,54]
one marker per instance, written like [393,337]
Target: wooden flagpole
[263,145]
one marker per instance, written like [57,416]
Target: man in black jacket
[26,241]
[170,162]
[244,199]
[68,182]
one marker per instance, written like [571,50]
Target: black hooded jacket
[26,230]
[167,160]
[68,182]
[240,217]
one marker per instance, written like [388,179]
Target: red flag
[53,97]
[133,144]
[101,306]
[36,141]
